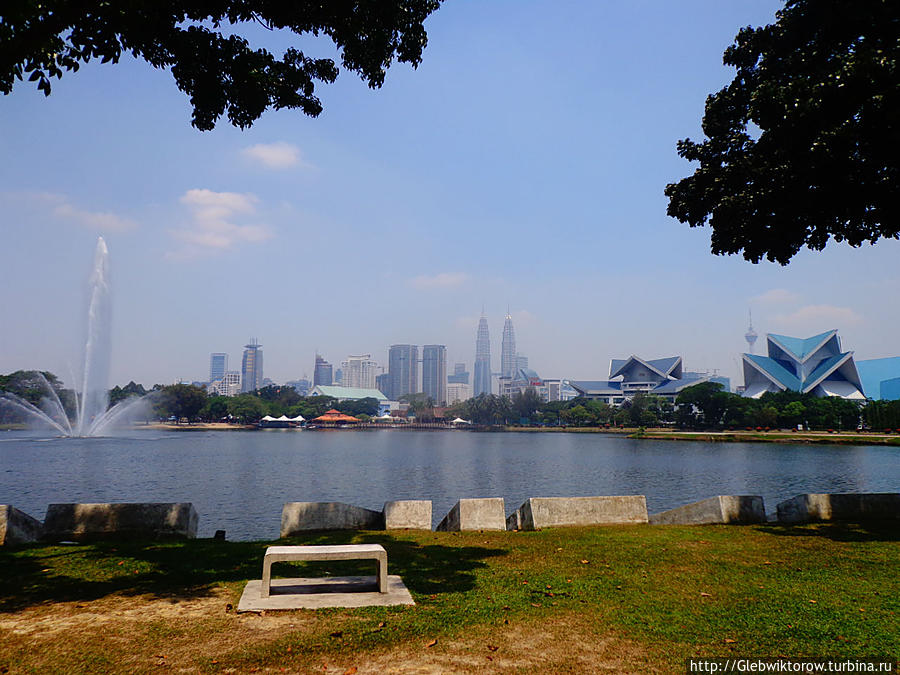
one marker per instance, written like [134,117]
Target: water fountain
[92,416]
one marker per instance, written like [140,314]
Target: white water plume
[93,417]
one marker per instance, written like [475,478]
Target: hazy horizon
[522,165]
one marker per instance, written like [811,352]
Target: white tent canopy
[298,418]
[460,420]
[283,418]
[268,418]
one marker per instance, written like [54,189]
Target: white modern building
[458,391]
[359,372]
[814,365]
[228,385]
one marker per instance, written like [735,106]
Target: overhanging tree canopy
[219,69]
[804,144]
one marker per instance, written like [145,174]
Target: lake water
[238,481]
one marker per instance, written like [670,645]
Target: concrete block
[538,512]
[723,509]
[818,507]
[514,520]
[306,516]
[475,514]
[17,527]
[130,521]
[412,514]
[309,593]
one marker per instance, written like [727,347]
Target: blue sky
[522,164]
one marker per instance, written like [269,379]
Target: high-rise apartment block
[460,374]
[482,383]
[508,365]
[359,372]
[228,385]
[434,373]
[458,391]
[403,367]
[383,384]
[322,374]
[252,367]
[218,364]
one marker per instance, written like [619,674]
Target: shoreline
[775,436]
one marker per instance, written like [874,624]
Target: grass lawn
[604,599]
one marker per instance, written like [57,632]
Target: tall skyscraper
[383,384]
[322,373]
[521,362]
[252,367]
[434,373]
[218,364]
[750,336]
[403,366]
[482,383]
[359,371]
[508,349]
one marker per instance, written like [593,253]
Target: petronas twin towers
[482,384]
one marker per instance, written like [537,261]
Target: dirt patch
[557,645]
[148,634]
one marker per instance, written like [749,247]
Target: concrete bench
[311,553]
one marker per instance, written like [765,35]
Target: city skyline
[402,214]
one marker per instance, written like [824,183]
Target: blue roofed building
[814,365]
[627,377]
[880,378]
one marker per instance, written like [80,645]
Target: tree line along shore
[704,407]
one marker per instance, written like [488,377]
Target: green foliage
[278,400]
[180,401]
[118,394]
[246,408]
[526,403]
[880,415]
[201,44]
[31,386]
[488,409]
[706,406]
[801,145]
[365,406]
[215,409]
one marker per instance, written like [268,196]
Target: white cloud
[442,280]
[103,221]
[212,228]
[777,296]
[61,207]
[279,155]
[819,317]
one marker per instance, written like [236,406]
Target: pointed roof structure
[814,365]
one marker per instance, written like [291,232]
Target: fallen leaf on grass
[350,670]
[585,562]
[492,648]
[812,602]
[290,649]
[489,657]
[705,595]
[534,604]
[337,634]
[729,641]
[432,643]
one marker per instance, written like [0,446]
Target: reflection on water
[239,481]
